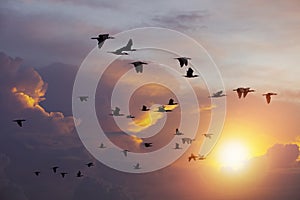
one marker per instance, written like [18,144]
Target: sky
[46,44]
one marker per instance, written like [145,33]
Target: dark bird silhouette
[144,108]
[83,98]
[268,96]
[90,164]
[137,166]
[130,116]
[37,173]
[177,146]
[102,146]
[138,65]
[239,91]
[19,122]
[55,169]
[122,50]
[192,156]
[171,102]
[217,94]
[116,112]
[183,61]
[125,152]
[246,91]
[148,144]
[101,39]
[63,174]
[79,174]
[178,132]
[189,73]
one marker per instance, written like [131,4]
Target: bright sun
[233,155]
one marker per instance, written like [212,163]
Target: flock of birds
[183,61]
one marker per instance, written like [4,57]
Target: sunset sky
[253,43]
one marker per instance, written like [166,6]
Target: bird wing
[181,62]
[245,93]
[139,68]
[268,97]
[239,93]
[185,61]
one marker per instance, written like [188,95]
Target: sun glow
[233,155]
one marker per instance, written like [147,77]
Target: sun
[233,155]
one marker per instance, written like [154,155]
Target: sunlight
[233,155]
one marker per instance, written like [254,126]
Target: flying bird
[144,108]
[63,174]
[177,146]
[218,94]
[130,116]
[37,173]
[137,166]
[138,65]
[171,102]
[208,135]
[239,91]
[268,96]
[122,50]
[19,122]
[189,73]
[102,146]
[79,174]
[90,164]
[178,132]
[55,169]
[83,98]
[101,39]
[125,152]
[246,91]
[192,156]
[148,144]
[183,61]
[116,112]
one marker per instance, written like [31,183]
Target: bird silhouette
[55,169]
[138,65]
[90,164]
[217,94]
[83,98]
[37,173]
[79,174]
[177,146]
[137,166]
[148,144]
[246,91]
[239,91]
[101,39]
[125,152]
[130,116]
[268,96]
[102,146]
[189,73]
[144,108]
[63,174]
[177,132]
[116,112]
[192,156]
[19,122]
[183,61]
[122,50]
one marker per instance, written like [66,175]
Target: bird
[189,73]
[125,151]
[130,116]
[116,112]
[63,174]
[148,144]
[83,98]
[171,102]
[137,166]
[122,50]
[19,122]
[178,132]
[208,135]
[177,146]
[183,61]
[239,91]
[268,96]
[37,173]
[138,65]
[90,164]
[102,146]
[55,169]
[118,52]
[79,174]
[217,94]
[192,156]
[246,91]
[144,108]
[101,39]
